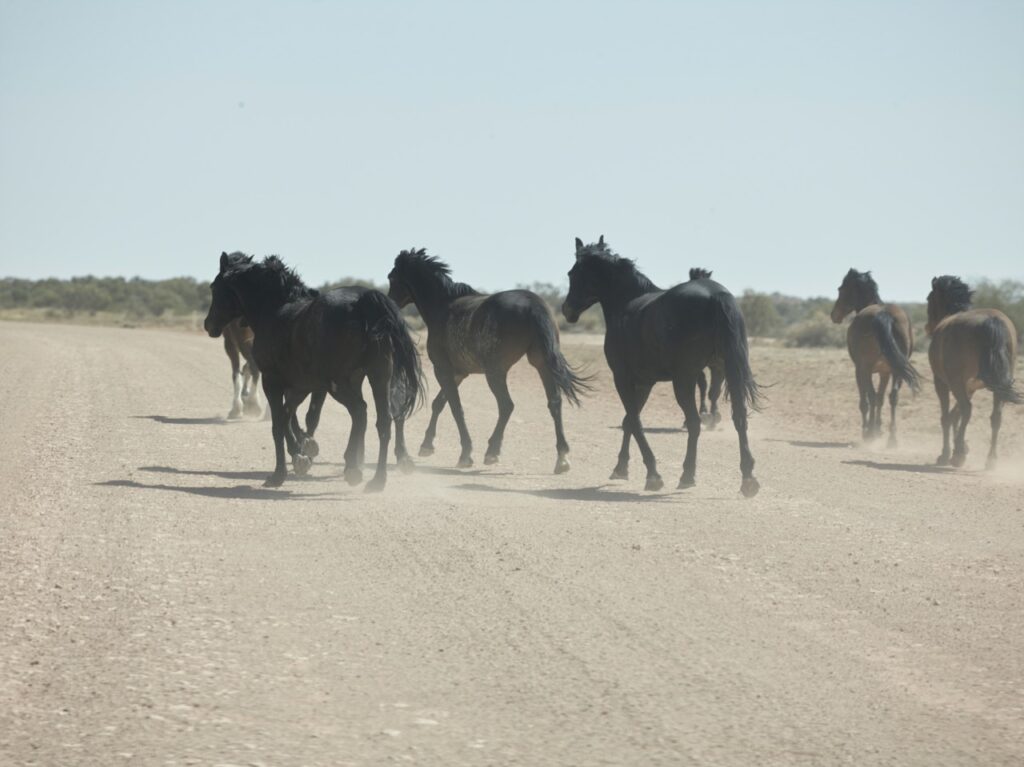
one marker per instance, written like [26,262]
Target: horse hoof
[376,484]
[562,465]
[426,451]
[618,473]
[707,420]
[685,483]
[301,464]
[310,447]
[406,465]
[749,487]
[274,480]
[490,459]
[253,409]
[958,459]
[353,476]
[464,462]
[942,460]
[990,462]
[235,414]
[654,483]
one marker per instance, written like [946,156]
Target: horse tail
[996,364]
[731,345]
[901,366]
[570,381]
[384,324]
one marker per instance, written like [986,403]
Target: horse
[471,332]
[245,379]
[971,349]
[309,342]
[880,339]
[656,335]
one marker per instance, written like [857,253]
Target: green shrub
[816,331]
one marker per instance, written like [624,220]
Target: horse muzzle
[571,313]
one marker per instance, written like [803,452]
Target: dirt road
[159,607]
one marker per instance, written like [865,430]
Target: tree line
[793,321]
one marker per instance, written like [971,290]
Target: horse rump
[996,363]
[902,368]
[384,325]
[731,345]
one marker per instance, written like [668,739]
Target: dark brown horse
[656,335]
[470,332]
[880,340]
[971,349]
[245,379]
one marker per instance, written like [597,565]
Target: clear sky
[778,143]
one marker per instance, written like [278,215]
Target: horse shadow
[239,492]
[916,468]
[812,444]
[596,494]
[166,419]
[240,475]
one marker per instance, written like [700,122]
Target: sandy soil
[159,607]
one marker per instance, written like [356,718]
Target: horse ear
[579,244]
[223,261]
[600,240]
[935,282]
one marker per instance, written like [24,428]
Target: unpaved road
[159,607]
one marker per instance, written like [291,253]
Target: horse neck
[615,296]
[432,297]
[259,308]
[865,298]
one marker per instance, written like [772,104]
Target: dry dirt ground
[159,607]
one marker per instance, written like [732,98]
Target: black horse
[470,332]
[306,342]
[664,335]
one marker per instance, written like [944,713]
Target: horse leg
[450,387]
[865,387]
[630,400]
[380,385]
[251,396]
[996,421]
[352,398]
[316,405]
[279,421]
[621,470]
[683,386]
[946,420]
[294,437]
[236,379]
[554,397]
[402,457]
[436,408]
[894,398]
[879,402]
[497,380]
[717,380]
[749,486]
[963,406]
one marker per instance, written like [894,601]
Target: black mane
[697,273]
[599,252]
[956,293]
[418,263]
[865,286]
[272,276]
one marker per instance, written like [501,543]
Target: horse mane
[431,267]
[272,276]
[697,273]
[865,286]
[601,253]
[956,292]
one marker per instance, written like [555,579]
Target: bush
[759,313]
[816,331]
[1006,296]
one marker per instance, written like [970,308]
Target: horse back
[487,330]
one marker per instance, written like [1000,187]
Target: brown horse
[971,349]
[880,340]
[244,378]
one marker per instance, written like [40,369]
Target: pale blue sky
[778,143]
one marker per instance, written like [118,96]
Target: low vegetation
[183,301]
